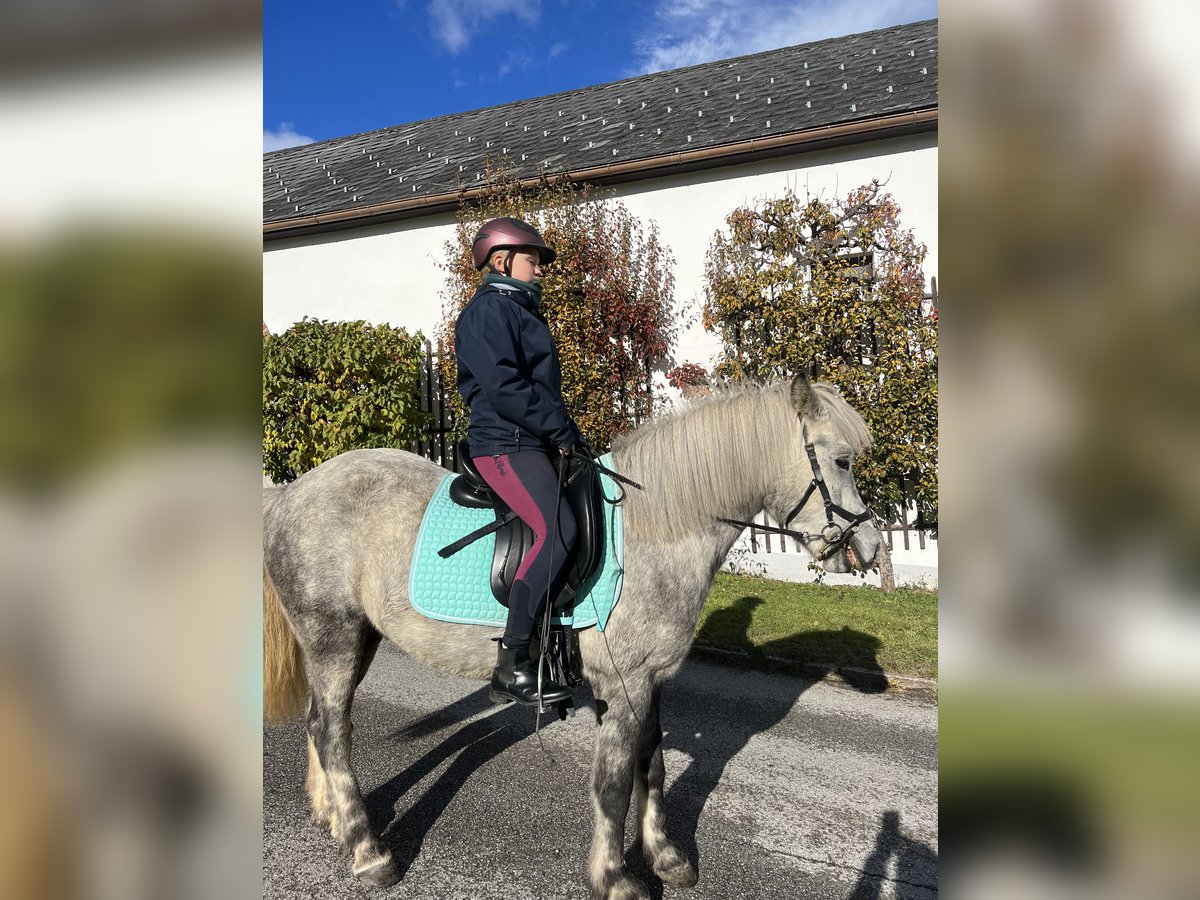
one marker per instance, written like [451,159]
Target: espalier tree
[835,290]
[329,387]
[608,298]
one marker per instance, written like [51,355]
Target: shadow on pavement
[476,743]
[916,875]
[743,717]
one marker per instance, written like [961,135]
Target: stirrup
[562,708]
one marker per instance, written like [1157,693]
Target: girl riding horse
[508,374]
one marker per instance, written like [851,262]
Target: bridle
[836,536]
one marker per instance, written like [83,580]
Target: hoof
[627,888]
[379,874]
[681,874]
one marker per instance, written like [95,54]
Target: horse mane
[722,451]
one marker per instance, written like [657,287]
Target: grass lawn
[825,624]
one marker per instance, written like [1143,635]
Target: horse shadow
[475,743]
[916,865]
[743,717]
[857,660]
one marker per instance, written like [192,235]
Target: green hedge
[329,387]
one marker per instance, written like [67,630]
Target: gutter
[615,173]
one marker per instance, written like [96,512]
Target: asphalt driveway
[777,787]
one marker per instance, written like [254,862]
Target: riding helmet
[508,234]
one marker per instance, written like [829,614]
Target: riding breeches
[528,482]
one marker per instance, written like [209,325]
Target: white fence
[914,557]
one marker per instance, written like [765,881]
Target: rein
[835,536]
[615,476]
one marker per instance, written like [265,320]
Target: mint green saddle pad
[459,590]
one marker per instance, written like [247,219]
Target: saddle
[514,538]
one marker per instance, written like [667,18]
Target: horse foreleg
[617,739]
[663,857]
[334,673]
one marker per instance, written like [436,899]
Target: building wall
[391,273]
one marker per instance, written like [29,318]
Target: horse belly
[465,650]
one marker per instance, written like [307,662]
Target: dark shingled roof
[795,89]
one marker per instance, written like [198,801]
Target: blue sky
[334,69]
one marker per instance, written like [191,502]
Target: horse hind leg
[663,857]
[316,784]
[336,665]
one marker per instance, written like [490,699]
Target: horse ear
[804,398]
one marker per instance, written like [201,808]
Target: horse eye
[843,463]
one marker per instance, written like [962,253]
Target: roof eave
[614,173]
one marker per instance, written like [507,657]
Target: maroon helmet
[507,234]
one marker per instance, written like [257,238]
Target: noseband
[835,536]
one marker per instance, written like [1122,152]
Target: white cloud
[515,60]
[455,22]
[285,136]
[698,31]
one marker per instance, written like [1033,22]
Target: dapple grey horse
[338,544]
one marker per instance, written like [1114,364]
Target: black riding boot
[516,678]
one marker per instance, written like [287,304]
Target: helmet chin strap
[508,260]
[509,255]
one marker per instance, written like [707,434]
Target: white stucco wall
[391,273]
[383,274]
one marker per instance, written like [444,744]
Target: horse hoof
[628,888]
[379,874]
[681,874]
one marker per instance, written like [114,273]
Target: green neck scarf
[533,291]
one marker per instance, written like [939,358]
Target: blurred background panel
[56,36]
[1070,622]
[130,134]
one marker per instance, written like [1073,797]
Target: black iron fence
[439,443]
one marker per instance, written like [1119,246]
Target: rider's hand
[566,451]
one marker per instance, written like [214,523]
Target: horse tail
[285,686]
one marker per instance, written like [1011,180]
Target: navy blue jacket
[508,373]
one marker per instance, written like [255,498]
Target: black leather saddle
[514,537]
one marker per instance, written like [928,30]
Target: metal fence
[438,444]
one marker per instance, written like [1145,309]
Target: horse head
[814,492]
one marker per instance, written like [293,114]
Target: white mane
[720,452]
